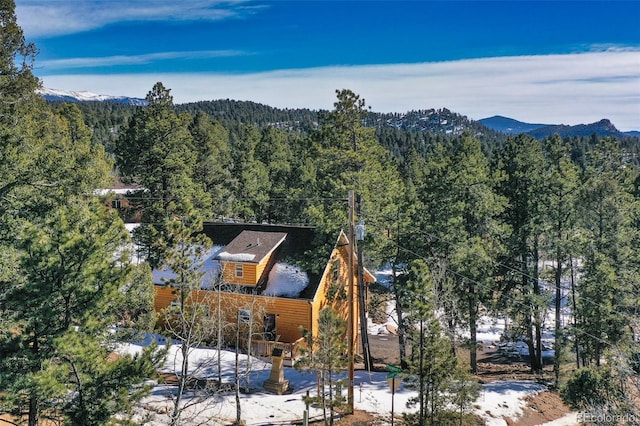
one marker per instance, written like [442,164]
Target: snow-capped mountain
[84,96]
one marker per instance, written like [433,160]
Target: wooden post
[394,383]
[362,308]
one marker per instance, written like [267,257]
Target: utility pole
[362,308]
[351,319]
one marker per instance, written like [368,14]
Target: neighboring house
[261,269]
[124,200]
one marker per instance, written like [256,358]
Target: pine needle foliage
[326,354]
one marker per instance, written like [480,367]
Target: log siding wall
[291,314]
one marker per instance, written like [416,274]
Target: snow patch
[117,191]
[210,269]
[286,280]
[236,257]
[87,96]
[131,226]
[505,399]
[497,401]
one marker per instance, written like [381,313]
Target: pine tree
[67,282]
[434,371]
[326,355]
[252,175]
[187,320]
[523,166]
[276,150]
[214,165]
[347,157]
[562,186]
[157,151]
[457,221]
[17,82]
[608,208]
[61,300]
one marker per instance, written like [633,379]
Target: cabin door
[269,321]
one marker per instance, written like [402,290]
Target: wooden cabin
[244,261]
[123,200]
[261,281]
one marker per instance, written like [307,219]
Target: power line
[520,272]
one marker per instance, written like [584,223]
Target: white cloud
[134,59]
[43,18]
[558,89]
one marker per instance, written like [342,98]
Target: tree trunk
[184,368]
[364,332]
[558,329]
[182,382]
[33,399]
[331,413]
[528,321]
[323,401]
[473,345]
[33,411]
[219,336]
[537,314]
[402,342]
[237,367]
[575,313]
[421,376]
[530,344]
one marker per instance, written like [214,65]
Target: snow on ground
[384,277]
[490,330]
[118,191]
[497,401]
[570,419]
[504,399]
[371,390]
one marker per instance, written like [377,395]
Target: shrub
[591,387]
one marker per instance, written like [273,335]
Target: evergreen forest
[471,221]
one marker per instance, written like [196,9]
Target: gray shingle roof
[252,246]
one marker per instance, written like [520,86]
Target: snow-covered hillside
[84,96]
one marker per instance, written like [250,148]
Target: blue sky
[537,61]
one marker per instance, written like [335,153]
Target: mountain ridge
[56,95]
[413,120]
[510,126]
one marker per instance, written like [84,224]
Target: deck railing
[264,349]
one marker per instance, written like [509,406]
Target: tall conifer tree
[522,164]
[67,283]
[608,208]
[434,371]
[457,221]
[562,186]
[157,151]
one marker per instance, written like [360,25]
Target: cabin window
[239,270]
[244,316]
[269,321]
[336,270]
